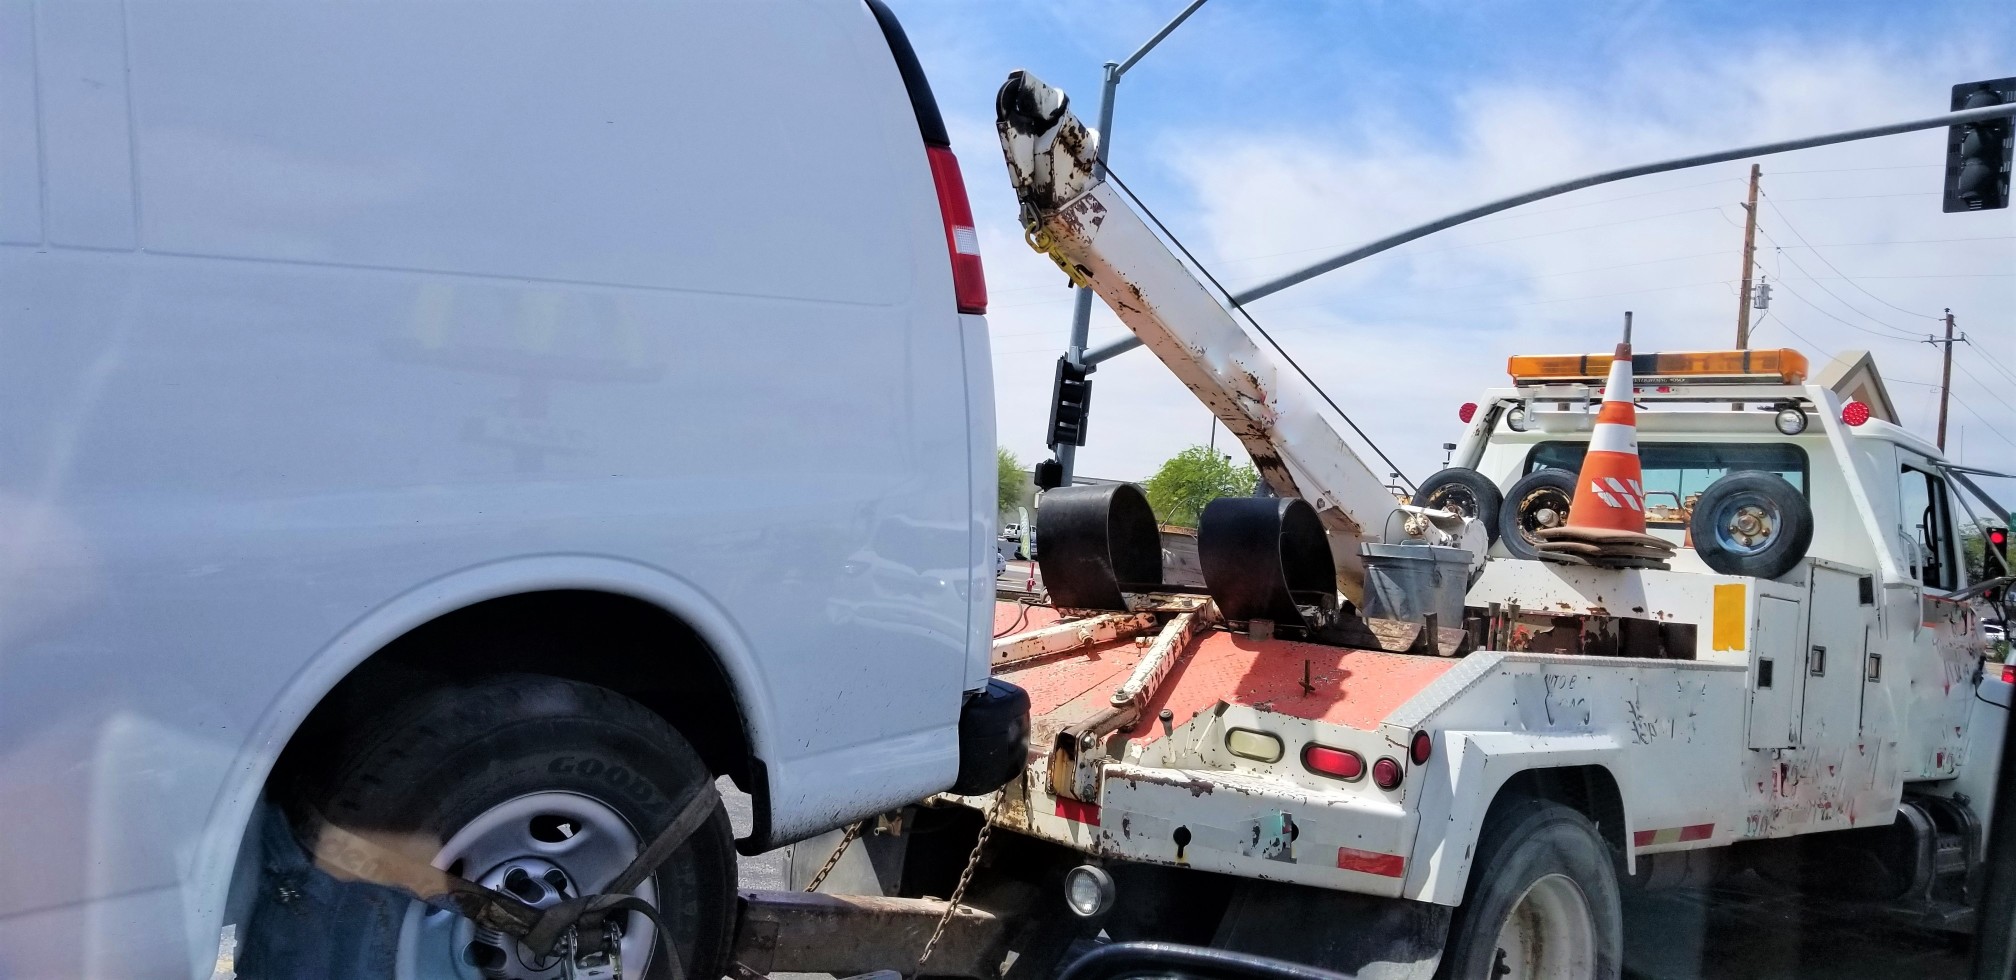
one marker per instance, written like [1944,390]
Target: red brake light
[1467,412]
[1855,413]
[1421,748]
[1340,763]
[969,282]
[2009,673]
[1386,772]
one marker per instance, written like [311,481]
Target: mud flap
[1364,936]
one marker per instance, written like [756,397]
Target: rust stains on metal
[799,932]
[1173,779]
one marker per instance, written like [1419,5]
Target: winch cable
[1271,342]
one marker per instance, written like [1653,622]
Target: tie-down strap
[350,855]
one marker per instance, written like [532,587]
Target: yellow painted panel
[1730,601]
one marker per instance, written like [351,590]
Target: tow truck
[1386,738]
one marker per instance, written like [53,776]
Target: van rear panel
[316,304]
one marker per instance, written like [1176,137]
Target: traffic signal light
[1070,401]
[1048,475]
[1995,541]
[1978,154]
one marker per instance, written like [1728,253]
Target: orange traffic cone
[1610,493]
[1606,520]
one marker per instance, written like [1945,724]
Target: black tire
[1768,549]
[1526,841]
[436,763]
[1464,491]
[1527,506]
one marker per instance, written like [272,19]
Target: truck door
[1838,627]
[1925,631]
[1777,673]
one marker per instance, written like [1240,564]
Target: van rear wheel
[1543,901]
[544,788]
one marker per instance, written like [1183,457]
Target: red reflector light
[1386,773]
[2009,673]
[1420,748]
[1467,412]
[1855,413]
[1339,763]
[969,281]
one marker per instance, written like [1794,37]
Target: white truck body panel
[325,319]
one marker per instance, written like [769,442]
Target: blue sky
[1270,133]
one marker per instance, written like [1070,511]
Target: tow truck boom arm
[1095,235]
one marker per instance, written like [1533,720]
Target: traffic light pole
[1081,300]
[1683,163]
[1336,262]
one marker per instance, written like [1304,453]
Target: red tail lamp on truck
[1341,764]
[1386,773]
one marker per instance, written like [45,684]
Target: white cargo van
[473,421]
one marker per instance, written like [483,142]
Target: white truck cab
[385,379]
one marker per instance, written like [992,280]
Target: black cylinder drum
[1095,543]
[1265,558]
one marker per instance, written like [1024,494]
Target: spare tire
[1752,523]
[1464,491]
[1539,500]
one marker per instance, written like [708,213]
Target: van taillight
[969,281]
[2009,673]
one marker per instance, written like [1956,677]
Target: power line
[1990,358]
[1816,254]
[1769,318]
[1817,284]
[1908,241]
[1992,427]
[1823,312]
[1859,197]
[1984,386]
[1899,333]
[1855,170]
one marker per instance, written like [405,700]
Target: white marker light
[1088,891]
[1791,421]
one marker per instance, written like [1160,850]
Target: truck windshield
[1676,472]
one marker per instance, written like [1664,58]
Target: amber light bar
[1782,366]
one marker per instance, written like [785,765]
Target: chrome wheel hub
[542,848]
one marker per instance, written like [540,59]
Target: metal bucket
[1409,581]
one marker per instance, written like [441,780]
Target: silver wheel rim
[1549,935]
[542,847]
[1747,523]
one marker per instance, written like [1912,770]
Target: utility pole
[1945,378]
[1749,260]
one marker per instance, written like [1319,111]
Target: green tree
[1009,479]
[1192,478]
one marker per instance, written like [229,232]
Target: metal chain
[965,878]
[853,831]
